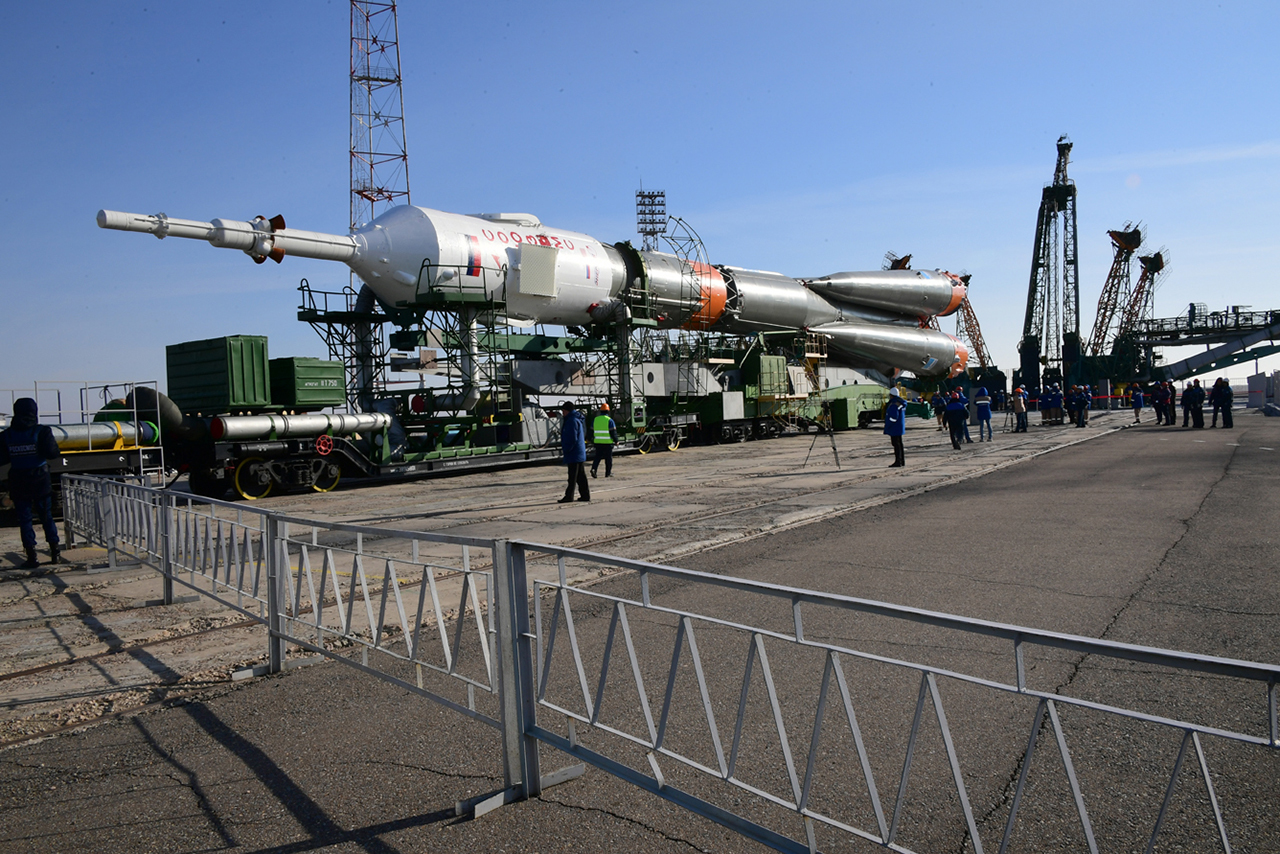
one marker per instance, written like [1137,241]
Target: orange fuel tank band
[713,295]
[961,363]
[958,292]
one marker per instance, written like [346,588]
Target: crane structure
[1116,290]
[1141,302]
[968,330]
[1050,343]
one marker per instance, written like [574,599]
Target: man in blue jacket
[573,447]
[895,426]
[982,409]
[27,447]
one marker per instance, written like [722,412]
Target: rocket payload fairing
[871,319]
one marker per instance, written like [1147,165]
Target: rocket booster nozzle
[260,238]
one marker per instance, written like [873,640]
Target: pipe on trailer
[231,428]
[104,435]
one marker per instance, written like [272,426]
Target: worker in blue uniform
[28,446]
[604,433]
[895,427]
[1221,397]
[957,419]
[573,447]
[1197,395]
[982,408]
[965,400]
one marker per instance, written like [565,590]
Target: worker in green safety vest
[605,436]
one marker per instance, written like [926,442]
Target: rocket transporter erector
[544,275]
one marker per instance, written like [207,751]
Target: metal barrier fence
[819,724]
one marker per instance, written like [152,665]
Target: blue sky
[805,138]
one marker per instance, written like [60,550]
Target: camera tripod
[824,425]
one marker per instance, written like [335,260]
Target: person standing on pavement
[1215,399]
[605,436]
[895,427]
[957,415]
[1186,405]
[939,405]
[1159,400]
[1136,391]
[1197,405]
[965,401]
[1019,410]
[573,448]
[982,407]
[1227,397]
[28,446]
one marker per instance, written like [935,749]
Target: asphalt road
[1155,536]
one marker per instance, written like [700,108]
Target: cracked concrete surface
[1135,535]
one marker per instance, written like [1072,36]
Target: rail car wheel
[645,445]
[673,441]
[327,477]
[253,479]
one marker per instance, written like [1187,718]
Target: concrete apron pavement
[661,507]
[325,759]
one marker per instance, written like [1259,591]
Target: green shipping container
[302,383]
[219,375]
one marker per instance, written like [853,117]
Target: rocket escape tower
[1050,345]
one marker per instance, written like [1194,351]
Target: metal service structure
[743,705]
[1050,343]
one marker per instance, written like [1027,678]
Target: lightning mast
[379,180]
[379,154]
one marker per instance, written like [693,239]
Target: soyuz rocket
[874,320]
